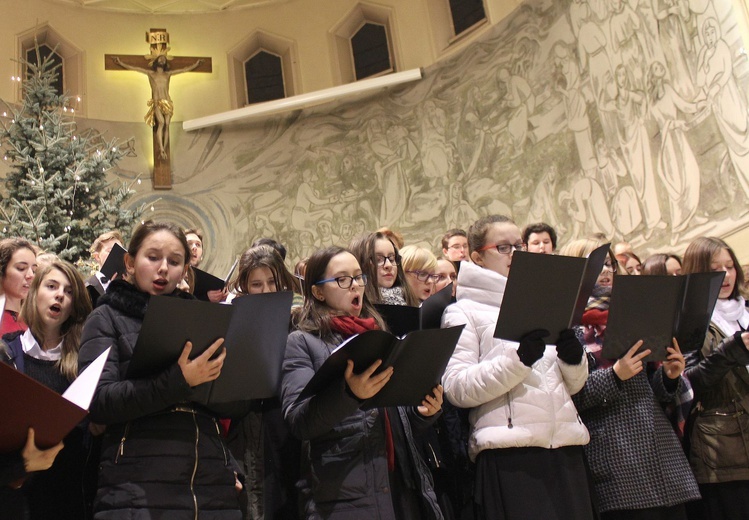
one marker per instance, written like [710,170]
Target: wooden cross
[159,67]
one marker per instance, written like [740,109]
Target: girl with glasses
[526,437]
[647,477]
[447,275]
[719,432]
[420,266]
[355,463]
[379,259]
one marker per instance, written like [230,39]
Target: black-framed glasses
[345,282]
[505,249]
[423,276]
[610,265]
[382,260]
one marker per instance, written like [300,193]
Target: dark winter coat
[719,426]
[345,469]
[161,455]
[635,458]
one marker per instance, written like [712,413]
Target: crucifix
[156,65]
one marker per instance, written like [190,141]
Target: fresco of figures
[627,118]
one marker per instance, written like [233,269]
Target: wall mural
[627,118]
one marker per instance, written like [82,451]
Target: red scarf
[347,326]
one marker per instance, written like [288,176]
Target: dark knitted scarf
[129,300]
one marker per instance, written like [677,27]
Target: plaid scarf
[594,325]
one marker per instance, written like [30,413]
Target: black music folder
[657,308]
[419,359]
[402,319]
[115,263]
[205,281]
[547,292]
[254,328]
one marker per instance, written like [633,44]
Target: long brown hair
[70,330]
[148,228]
[315,315]
[699,255]
[8,247]
[264,256]
[363,248]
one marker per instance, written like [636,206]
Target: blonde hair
[415,258]
[582,249]
[105,237]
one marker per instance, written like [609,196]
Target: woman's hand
[674,364]
[631,363]
[201,369]
[432,403]
[218,295]
[35,459]
[365,385]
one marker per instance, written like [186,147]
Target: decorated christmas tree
[57,191]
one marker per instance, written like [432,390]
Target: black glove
[532,346]
[569,348]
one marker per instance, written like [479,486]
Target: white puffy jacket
[512,405]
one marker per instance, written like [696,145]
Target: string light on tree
[48,200]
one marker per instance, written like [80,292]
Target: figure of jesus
[160,106]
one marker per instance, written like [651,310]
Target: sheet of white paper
[81,391]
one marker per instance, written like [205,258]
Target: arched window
[263,75]
[45,52]
[71,77]
[454,22]
[364,44]
[465,14]
[371,51]
[263,67]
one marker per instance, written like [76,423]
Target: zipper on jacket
[434,455]
[223,445]
[737,413]
[195,466]
[121,449]
[509,408]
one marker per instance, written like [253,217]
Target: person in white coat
[526,436]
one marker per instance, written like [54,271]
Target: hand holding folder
[547,292]
[205,282]
[418,361]
[254,329]
[29,404]
[656,309]
[115,264]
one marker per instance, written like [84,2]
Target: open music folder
[30,404]
[657,308]
[547,292]
[254,328]
[402,319]
[205,281]
[419,360]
